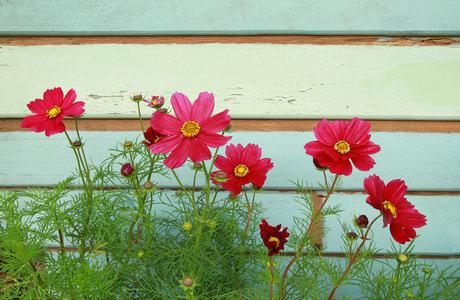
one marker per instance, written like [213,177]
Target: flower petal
[182,107]
[202,107]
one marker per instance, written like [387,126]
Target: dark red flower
[192,132]
[243,166]
[151,136]
[127,169]
[341,142]
[50,111]
[273,238]
[399,213]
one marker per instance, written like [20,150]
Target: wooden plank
[231,39]
[115,17]
[441,213]
[7,125]
[254,81]
[426,161]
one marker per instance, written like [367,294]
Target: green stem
[272,266]
[353,257]
[140,117]
[310,226]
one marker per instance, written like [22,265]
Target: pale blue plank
[426,161]
[117,17]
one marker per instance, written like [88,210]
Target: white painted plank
[254,81]
[117,17]
[426,161]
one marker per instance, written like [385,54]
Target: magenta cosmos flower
[341,142]
[192,132]
[399,213]
[273,238]
[50,111]
[243,166]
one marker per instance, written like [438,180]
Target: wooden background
[278,67]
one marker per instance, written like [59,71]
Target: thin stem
[352,259]
[397,280]
[140,117]
[272,266]
[310,226]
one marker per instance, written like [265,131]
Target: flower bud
[212,223]
[402,258]
[127,169]
[409,295]
[178,192]
[163,110]
[229,127]
[256,189]
[148,185]
[140,253]
[318,166]
[187,281]
[127,144]
[187,226]
[232,196]
[196,166]
[362,221]
[220,176]
[137,98]
[352,236]
[426,270]
[77,144]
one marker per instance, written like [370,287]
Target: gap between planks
[261,125]
[231,39]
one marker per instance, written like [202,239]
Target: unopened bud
[127,169]
[402,258]
[140,253]
[318,166]
[352,236]
[426,270]
[163,110]
[137,98]
[196,166]
[187,226]
[77,144]
[127,144]
[212,223]
[220,176]
[362,221]
[178,192]
[409,295]
[148,185]
[187,281]
[232,196]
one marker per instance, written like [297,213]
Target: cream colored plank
[260,81]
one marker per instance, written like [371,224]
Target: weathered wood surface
[117,17]
[254,81]
[426,161]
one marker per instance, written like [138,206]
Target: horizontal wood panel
[115,17]
[440,211]
[254,81]
[7,125]
[231,39]
[426,161]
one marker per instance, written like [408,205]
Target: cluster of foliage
[110,231]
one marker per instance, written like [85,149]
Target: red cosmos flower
[192,132]
[243,166]
[156,102]
[396,210]
[151,136]
[339,142]
[273,238]
[50,111]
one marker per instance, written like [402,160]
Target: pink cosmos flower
[341,142]
[156,102]
[243,166]
[399,213]
[50,111]
[192,132]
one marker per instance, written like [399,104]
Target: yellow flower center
[190,129]
[53,112]
[391,207]
[241,170]
[274,239]
[342,147]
